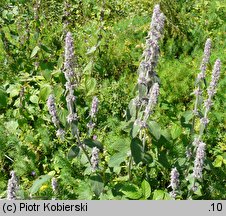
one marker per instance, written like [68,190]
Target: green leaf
[132,191]
[218,161]
[188,115]
[14,90]
[135,129]
[158,195]
[90,85]
[146,189]
[73,152]
[88,67]
[34,99]
[93,143]
[44,92]
[91,50]
[176,131]
[117,159]
[40,181]
[154,129]
[137,150]
[132,108]
[84,191]
[11,126]
[3,98]
[97,184]
[34,51]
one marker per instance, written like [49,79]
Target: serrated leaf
[40,181]
[132,191]
[73,152]
[116,159]
[34,51]
[146,189]
[176,131]
[154,129]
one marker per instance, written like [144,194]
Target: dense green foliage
[109,38]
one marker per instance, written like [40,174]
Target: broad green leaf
[135,130]
[34,51]
[40,181]
[90,85]
[73,152]
[176,131]
[88,67]
[154,129]
[44,93]
[11,126]
[14,90]
[97,184]
[3,98]
[62,114]
[84,191]
[137,150]
[158,195]
[188,115]
[93,143]
[132,108]
[132,191]
[146,189]
[34,99]
[116,159]
[218,161]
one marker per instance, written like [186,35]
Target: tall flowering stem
[148,81]
[147,74]
[12,187]
[201,78]
[69,73]
[71,82]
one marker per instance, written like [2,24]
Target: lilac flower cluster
[199,160]
[53,112]
[12,186]
[93,112]
[69,67]
[174,181]
[201,76]
[54,184]
[147,75]
[95,158]
[205,59]
[211,91]
[94,107]
[153,97]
